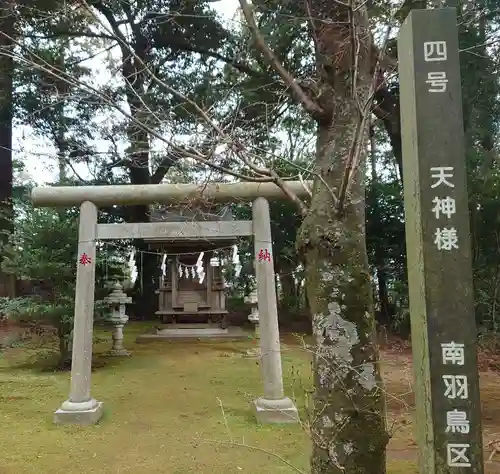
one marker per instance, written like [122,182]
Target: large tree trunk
[289,296]
[7,282]
[136,79]
[349,429]
[383,317]
[59,111]
[139,154]
[349,411]
[147,263]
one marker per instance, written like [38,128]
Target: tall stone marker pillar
[274,407]
[81,408]
[438,245]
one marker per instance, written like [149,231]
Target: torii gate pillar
[274,407]
[81,408]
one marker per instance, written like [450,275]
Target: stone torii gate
[81,408]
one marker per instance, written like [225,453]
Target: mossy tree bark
[349,432]
[348,427]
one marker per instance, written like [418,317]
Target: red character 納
[264,255]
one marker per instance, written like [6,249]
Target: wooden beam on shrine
[128,194]
[175,230]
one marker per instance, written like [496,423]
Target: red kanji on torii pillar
[84,259]
[264,255]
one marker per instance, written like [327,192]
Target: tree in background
[479,43]
[43,250]
[7,26]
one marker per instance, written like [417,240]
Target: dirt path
[9,332]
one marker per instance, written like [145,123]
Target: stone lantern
[117,300]
[253,317]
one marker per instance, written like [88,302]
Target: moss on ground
[162,413]
[402,467]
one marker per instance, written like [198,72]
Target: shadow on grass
[44,358]
[47,360]
[225,349]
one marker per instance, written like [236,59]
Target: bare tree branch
[238,65]
[176,152]
[160,42]
[71,34]
[387,110]
[62,75]
[235,146]
[165,164]
[297,92]
[357,139]
[306,187]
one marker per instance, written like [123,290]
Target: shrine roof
[190,213]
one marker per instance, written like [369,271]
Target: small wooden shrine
[192,288]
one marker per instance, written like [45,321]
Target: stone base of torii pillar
[86,413]
[282,410]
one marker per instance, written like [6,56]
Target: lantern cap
[117,295]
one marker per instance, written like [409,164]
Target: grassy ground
[170,408]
